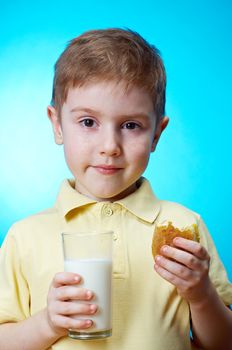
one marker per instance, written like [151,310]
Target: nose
[110,143]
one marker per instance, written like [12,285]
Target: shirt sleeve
[217,270]
[14,293]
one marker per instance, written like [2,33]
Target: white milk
[96,276]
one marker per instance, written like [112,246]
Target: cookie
[165,234]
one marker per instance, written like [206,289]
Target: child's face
[108,135]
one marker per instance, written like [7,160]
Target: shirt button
[108,211]
[115,236]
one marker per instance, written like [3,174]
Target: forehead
[109,96]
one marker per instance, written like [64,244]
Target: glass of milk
[89,254]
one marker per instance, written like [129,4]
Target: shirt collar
[69,199]
[143,203]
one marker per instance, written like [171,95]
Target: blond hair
[114,54]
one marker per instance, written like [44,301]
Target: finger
[72,323]
[191,246]
[65,278]
[73,293]
[182,257]
[75,308]
[175,268]
[168,276]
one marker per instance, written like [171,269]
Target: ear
[159,129]
[56,124]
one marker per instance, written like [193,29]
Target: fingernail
[164,249]
[93,308]
[77,279]
[89,294]
[158,258]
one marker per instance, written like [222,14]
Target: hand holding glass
[90,256]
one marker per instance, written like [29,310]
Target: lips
[107,169]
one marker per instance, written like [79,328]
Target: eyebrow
[84,109]
[92,111]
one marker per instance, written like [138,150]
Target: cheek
[143,138]
[141,147]
[71,137]
[74,151]
[140,152]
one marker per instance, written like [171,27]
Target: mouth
[107,169]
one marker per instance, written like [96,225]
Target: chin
[117,195]
[107,195]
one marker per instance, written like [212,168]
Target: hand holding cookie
[182,261]
[165,234]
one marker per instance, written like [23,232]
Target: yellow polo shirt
[147,311]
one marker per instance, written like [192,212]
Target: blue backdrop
[192,164]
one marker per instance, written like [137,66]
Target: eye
[130,125]
[88,122]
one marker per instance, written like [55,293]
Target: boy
[108,112]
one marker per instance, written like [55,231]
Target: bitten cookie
[165,234]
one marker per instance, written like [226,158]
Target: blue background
[192,164]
